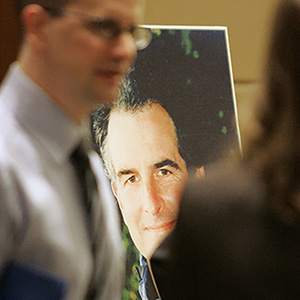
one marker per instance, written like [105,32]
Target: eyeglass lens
[109,28]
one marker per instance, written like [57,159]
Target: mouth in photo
[161,227]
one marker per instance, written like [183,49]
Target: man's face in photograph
[148,173]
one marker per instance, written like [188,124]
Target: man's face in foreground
[89,64]
[148,173]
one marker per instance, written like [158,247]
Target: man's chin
[106,97]
[154,245]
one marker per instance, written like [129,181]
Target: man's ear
[200,173]
[115,191]
[34,19]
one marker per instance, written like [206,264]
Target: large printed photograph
[176,114]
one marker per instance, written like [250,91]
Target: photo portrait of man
[139,146]
[157,134]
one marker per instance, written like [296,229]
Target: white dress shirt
[43,228]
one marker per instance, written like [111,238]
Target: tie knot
[79,158]
[86,179]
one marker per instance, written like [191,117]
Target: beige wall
[248,23]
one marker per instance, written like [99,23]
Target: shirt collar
[41,116]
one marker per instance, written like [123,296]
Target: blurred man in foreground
[59,228]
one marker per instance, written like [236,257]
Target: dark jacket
[227,244]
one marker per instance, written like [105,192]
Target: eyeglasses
[107,28]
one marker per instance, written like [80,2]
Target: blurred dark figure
[238,233]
